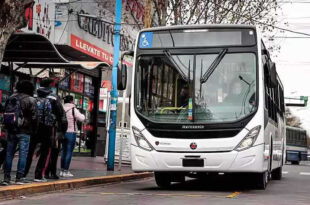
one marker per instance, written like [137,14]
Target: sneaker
[21,181]
[61,174]
[40,180]
[6,182]
[68,174]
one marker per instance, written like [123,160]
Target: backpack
[13,117]
[45,112]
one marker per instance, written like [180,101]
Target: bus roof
[200,26]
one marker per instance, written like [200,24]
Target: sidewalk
[87,171]
[82,167]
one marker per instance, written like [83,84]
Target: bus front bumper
[250,160]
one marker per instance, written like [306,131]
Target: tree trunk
[12,17]
[4,37]
[164,13]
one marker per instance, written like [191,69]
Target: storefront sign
[87,27]
[91,49]
[103,30]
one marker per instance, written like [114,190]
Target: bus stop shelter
[33,54]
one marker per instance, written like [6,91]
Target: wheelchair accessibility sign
[146,40]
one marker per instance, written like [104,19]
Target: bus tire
[163,180]
[262,180]
[277,173]
[295,162]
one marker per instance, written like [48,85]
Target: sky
[293,61]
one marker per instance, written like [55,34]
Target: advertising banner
[77,82]
[40,18]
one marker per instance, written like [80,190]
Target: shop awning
[27,47]
[34,51]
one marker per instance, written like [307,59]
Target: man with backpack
[58,130]
[20,121]
[47,121]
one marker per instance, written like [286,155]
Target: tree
[291,119]
[12,17]
[255,12]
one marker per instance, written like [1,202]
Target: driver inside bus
[234,94]
[183,96]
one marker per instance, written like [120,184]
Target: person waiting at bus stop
[20,120]
[59,129]
[68,143]
[46,118]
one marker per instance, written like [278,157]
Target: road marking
[284,172]
[233,195]
[304,173]
[168,195]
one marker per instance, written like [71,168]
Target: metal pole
[114,94]
[122,130]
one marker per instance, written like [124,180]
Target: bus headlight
[249,139]
[140,139]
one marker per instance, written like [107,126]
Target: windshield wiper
[242,79]
[213,66]
[169,56]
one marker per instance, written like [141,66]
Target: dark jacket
[58,110]
[29,109]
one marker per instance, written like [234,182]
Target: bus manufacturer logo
[193,127]
[193,145]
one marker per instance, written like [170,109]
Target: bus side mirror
[122,77]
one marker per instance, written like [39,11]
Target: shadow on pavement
[217,183]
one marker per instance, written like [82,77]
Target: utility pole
[114,93]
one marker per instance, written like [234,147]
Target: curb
[14,191]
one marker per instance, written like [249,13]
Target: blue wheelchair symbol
[146,40]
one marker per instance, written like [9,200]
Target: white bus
[206,99]
[296,145]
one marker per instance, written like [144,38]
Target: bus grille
[195,134]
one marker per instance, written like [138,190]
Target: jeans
[67,150]
[22,140]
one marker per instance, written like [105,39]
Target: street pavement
[293,189]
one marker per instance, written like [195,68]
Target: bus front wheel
[262,180]
[163,180]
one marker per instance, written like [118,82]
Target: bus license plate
[193,162]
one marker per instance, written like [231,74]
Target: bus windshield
[174,88]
